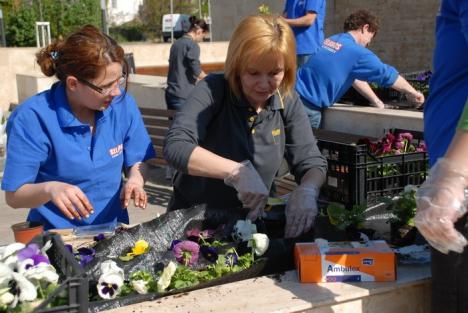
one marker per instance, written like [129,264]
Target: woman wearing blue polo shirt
[67,146]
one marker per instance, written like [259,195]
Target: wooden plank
[151,121]
[154,112]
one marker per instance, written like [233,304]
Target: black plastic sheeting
[160,232]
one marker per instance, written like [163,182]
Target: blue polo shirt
[448,87]
[338,62]
[308,39]
[47,143]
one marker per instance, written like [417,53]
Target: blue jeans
[302,59]
[315,115]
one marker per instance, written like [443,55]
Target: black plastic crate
[73,280]
[355,176]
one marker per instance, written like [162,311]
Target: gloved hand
[301,211]
[251,190]
[441,202]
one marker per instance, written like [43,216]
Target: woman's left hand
[301,211]
[135,191]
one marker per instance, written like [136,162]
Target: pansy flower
[15,287]
[231,259]
[85,255]
[199,236]
[259,243]
[99,237]
[209,253]
[141,247]
[173,243]
[186,252]
[243,230]
[111,280]
[41,272]
[165,279]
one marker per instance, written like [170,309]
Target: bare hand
[135,191]
[417,98]
[70,200]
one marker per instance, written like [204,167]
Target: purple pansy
[231,259]
[186,252]
[99,237]
[32,252]
[173,243]
[85,255]
[210,253]
[196,234]
[109,289]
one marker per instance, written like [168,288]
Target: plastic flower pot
[25,231]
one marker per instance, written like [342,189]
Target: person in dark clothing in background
[184,64]
[184,69]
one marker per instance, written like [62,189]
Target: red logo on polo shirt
[331,45]
[116,151]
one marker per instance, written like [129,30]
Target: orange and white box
[323,261]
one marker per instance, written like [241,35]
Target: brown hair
[196,23]
[255,37]
[360,18]
[83,54]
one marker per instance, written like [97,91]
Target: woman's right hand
[71,201]
[251,189]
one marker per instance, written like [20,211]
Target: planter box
[355,176]
[72,277]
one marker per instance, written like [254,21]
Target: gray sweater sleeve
[301,151]
[191,122]
[193,59]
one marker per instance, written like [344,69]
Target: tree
[64,16]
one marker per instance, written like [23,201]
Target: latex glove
[441,202]
[251,189]
[301,211]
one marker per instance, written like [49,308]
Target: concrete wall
[227,14]
[406,39]
[15,61]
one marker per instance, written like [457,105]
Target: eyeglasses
[120,83]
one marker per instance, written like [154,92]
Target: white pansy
[140,286]
[6,297]
[8,254]
[110,266]
[165,280]
[10,250]
[5,275]
[42,272]
[109,284]
[260,243]
[26,290]
[243,230]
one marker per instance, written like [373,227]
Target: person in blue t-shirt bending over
[343,60]
[67,146]
[306,18]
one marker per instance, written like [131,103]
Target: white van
[180,25]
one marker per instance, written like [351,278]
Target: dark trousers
[450,277]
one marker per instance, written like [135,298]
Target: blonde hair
[255,37]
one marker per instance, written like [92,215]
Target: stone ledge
[283,293]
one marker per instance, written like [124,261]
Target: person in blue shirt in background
[442,200]
[306,18]
[343,60]
[67,146]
